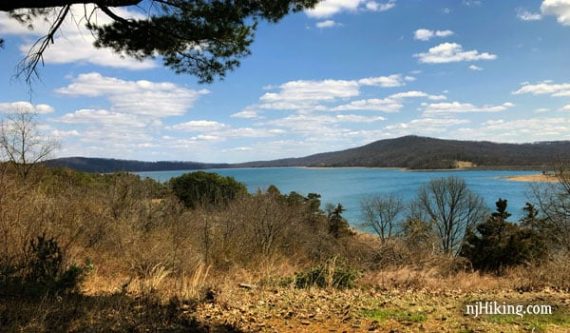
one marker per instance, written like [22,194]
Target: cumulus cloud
[103,117]
[328,8]
[452,52]
[353,118]
[417,94]
[390,81]
[372,104]
[210,129]
[544,88]
[312,95]
[525,15]
[558,8]
[426,34]
[74,42]
[199,126]
[475,68]
[22,106]
[446,108]
[380,7]
[423,126]
[520,130]
[246,114]
[132,118]
[312,126]
[326,24]
[146,98]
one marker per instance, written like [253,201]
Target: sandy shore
[534,178]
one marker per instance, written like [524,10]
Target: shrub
[497,244]
[338,226]
[204,188]
[328,275]
[43,272]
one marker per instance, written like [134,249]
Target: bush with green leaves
[497,244]
[206,189]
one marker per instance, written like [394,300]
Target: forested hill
[412,152]
[416,152]
[112,165]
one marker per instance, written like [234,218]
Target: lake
[349,186]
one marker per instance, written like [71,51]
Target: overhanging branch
[7,6]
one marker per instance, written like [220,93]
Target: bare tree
[554,201]
[381,213]
[22,144]
[452,208]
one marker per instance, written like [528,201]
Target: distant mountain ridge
[411,152]
[416,152]
[104,165]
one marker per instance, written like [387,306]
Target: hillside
[88,164]
[412,152]
[416,152]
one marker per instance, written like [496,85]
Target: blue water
[350,185]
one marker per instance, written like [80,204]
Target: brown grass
[158,266]
[534,178]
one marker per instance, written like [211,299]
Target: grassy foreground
[283,309]
[116,253]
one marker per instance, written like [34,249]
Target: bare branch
[7,6]
[28,65]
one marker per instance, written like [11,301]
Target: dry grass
[150,255]
[534,178]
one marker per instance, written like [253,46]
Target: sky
[344,74]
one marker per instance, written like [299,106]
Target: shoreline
[533,178]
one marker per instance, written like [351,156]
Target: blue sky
[347,73]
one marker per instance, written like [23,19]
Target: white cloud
[74,42]
[565,108]
[373,104]
[249,132]
[544,88]
[417,94]
[328,8]
[451,52]
[558,8]
[352,118]
[525,15]
[446,108]
[246,114]
[199,126]
[103,117]
[146,98]
[295,91]
[394,80]
[316,95]
[323,128]
[426,34]
[542,110]
[380,7]
[475,68]
[22,106]
[326,24]
[423,126]
[222,131]
[520,130]
[472,3]
[60,134]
